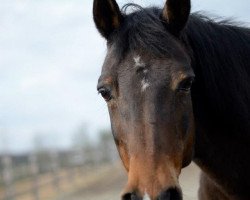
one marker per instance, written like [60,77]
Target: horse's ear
[107,16]
[175,14]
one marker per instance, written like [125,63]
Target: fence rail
[42,178]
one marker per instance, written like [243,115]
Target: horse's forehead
[135,63]
[143,62]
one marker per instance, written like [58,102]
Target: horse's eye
[185,85]
[106,93]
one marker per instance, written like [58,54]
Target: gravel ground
[109,184]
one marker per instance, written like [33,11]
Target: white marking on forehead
[146,197]
[145,71]
[138,62]
[144,84]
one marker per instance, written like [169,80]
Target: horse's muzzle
[170,194]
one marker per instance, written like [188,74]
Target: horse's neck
[221,96]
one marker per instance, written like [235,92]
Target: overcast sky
[50,59]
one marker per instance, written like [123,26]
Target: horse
[177,87]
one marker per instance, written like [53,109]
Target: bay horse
[177,86]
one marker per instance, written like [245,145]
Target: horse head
[146,81]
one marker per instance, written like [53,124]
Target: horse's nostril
[126,196]
[130,196]
[171,194]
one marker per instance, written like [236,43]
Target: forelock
[143,30]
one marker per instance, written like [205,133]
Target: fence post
[70,168]
[35,176]
[8,177]
[55,170]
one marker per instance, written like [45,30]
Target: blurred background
[55,140]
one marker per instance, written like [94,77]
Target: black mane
[220,58]
[222,63]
